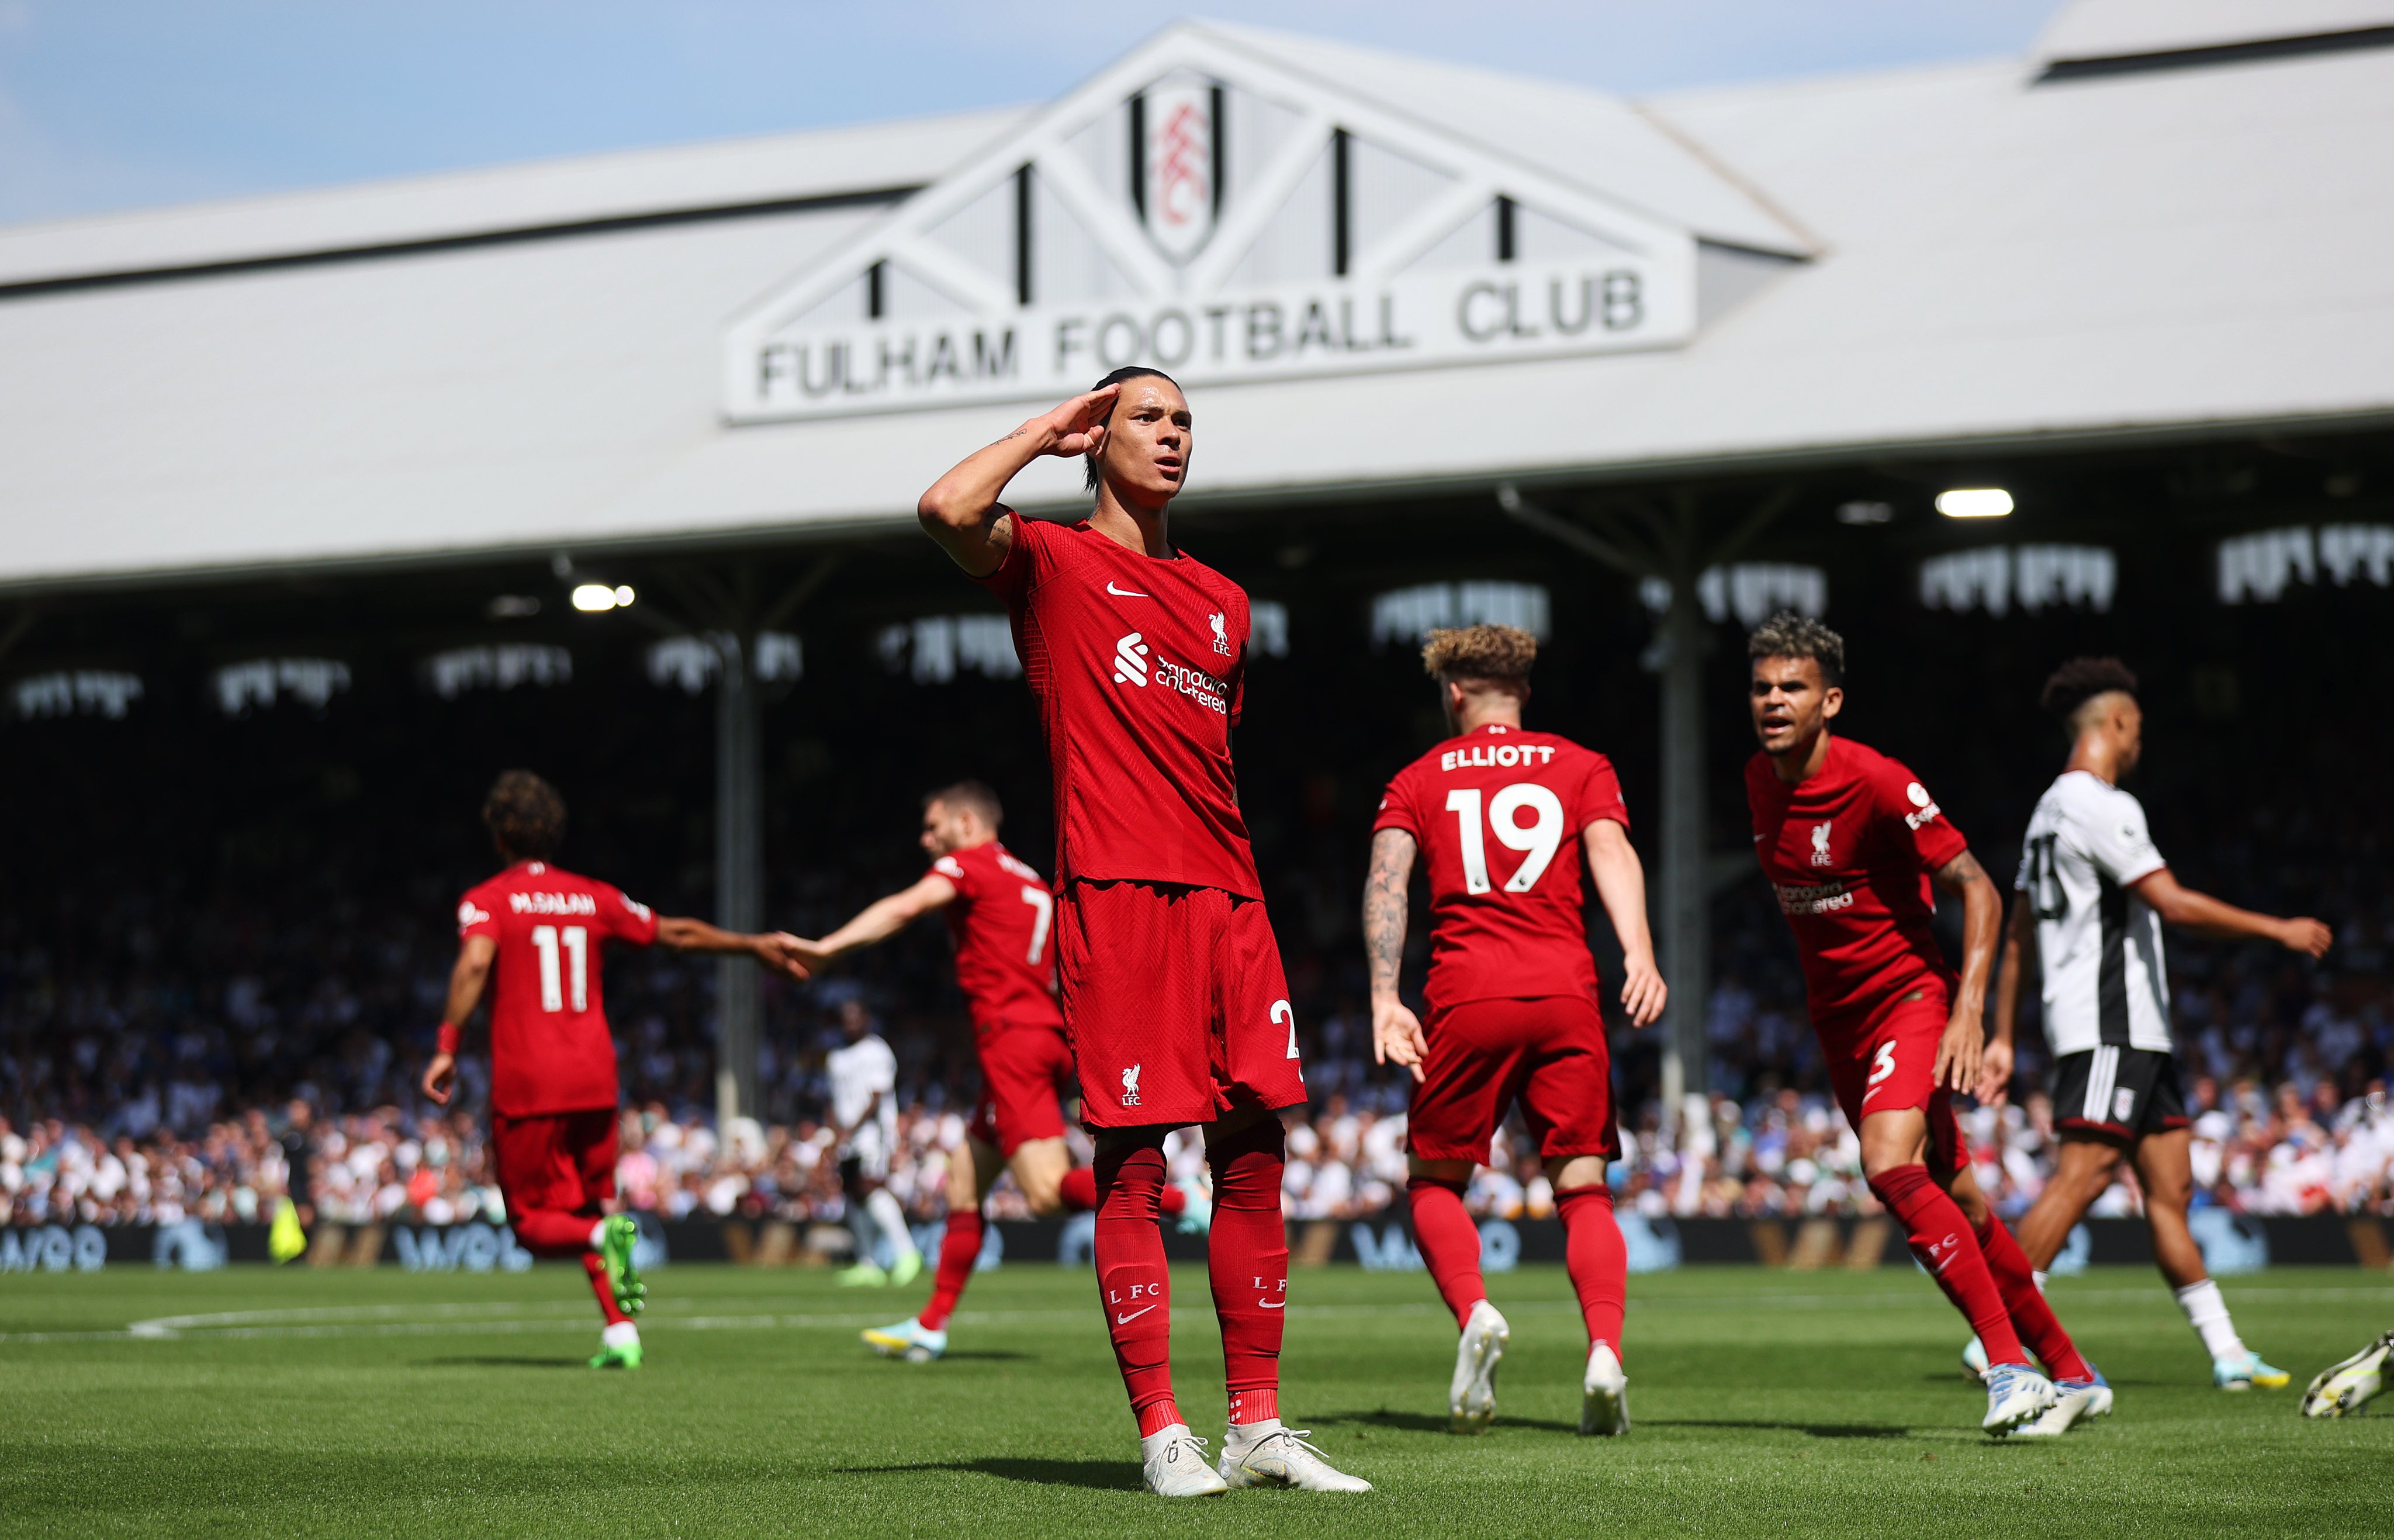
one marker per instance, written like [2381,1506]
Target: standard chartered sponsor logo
[1131,667]
[1817,898]
[1130,661]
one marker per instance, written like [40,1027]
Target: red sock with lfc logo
[1944,1242]
[2031,1317]
[1249,1259]
[959,1254]
[1132,1283]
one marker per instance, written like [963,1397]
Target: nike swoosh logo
[1127,1320]
[1125,593]
[1269,1305]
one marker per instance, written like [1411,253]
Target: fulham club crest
[1179,169]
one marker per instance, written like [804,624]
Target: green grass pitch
[376,1402]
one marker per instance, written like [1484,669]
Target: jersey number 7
[1541,838]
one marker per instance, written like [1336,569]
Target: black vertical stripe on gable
[2111,976]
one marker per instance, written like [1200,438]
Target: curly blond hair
[1480,653]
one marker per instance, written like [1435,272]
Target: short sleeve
[2117,841]
[1396,809]
[626,920]
[956,872]
[885,1069]
[1900,796]
[1028,558]
[1599,796]
[475,920]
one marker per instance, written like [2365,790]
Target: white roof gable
[2128,29]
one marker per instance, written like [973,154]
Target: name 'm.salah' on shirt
[550,1049]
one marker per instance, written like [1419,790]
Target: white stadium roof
[2087,245]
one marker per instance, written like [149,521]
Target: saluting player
[1852,842]
[1504,816]
[541,928]
[2092,894]
[1001,917]
[1170,980]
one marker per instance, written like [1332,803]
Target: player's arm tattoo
[1385,902]
[1959,872]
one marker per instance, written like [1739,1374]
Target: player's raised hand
[1643,992]
[439,1077]
[1396,1036]
[2306,935]
[1994,1073]
[1079,425]
[1959,1053]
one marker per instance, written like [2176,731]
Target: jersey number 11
[577,948]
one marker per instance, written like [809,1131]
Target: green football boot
[615,1243]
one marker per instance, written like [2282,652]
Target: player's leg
[2165,1167]
[2082,1171]
[905,1258]
[971,1172]
[1895,1152]
[552,1210]
[1567,1102]
[1255,1072]
[1130,974]
[2033,1318]
[1473,1072]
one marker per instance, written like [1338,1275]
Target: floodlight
[1974,503]
[595,597]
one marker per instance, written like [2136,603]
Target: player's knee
[1263,1136]
[1043,1193]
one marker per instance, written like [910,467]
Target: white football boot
[1471,1399]
[910,1339]
[1604,1394]
[1174,1462]
[2081,1400]
[2016,1396]
[2344,1388]
[1974,1360]
[1279,1456]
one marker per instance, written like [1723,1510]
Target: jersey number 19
[1541,838]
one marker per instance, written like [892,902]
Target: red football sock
[1079,1190]
[553,1232]
[596,1266]
[1132,1283]
[959,1252]
[1940,1238]
[1598,1259]
[1249,1259]
[2031,1317]
[1449,1242]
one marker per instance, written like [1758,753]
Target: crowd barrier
[2233,1243]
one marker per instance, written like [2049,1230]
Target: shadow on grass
[1099,1475]
[992,1357]
[1817,1429]
[1423,1422]
[487,1361]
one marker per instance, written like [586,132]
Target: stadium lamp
[1974,503]
[596,596]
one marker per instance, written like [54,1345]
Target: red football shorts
[1882,1060]
[563,1161]
[1175,1003]
[1025,1073]
[1549,1054]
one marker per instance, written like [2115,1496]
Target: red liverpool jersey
[1499,813]
[1850,851]
[1139,663]
[1003,923]
[550,1051]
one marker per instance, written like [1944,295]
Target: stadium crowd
[132,1094]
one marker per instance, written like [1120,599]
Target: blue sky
[108,105]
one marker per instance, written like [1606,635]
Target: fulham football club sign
[1207,209]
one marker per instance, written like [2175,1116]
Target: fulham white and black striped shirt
[2101,944]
